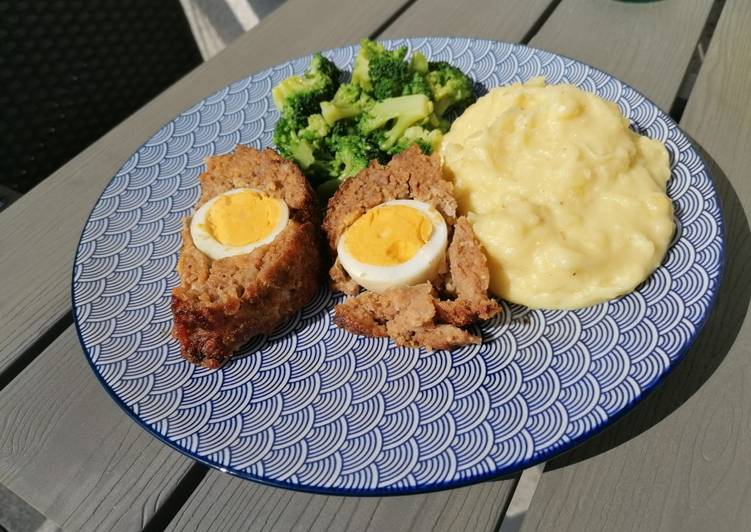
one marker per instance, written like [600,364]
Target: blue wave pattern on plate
[314,407]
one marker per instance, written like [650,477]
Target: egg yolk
[389,235]
[242,218]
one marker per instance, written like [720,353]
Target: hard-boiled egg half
[237,222]
[397,243]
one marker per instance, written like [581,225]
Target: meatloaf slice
[431,314]
[221,304]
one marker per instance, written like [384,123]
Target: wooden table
[681,461]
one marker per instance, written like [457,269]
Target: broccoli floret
[304,93]
[316,135]
[316,130]
[299,106]
[419,63]
[438,122]
[333,131]
[401,112]
[290,144]
[360,70]
[383,73]
[352,153]
[348,102]
[451,88]
[389,73]
[321,66]
[305,146]
[417,85]
[344,127]
[427,140]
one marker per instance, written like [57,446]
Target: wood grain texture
[692,471]
[646,45]
[502,20]
[68,449]
[39,232]
[226,503]
[718,114]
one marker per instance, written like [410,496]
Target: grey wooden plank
[646,45]
[69,451]
[225,503]
[522,498]
[503,20]
[718,114]
[39,232]
[19,516]
[692,471]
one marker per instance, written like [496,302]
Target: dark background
[70,70]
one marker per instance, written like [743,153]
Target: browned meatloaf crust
[219,305]
[431,314]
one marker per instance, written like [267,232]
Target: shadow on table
[711,346]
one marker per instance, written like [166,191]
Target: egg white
[207,244]
[420,268]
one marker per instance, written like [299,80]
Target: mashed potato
[568,202]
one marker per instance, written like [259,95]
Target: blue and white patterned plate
[313,407]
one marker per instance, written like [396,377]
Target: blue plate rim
[500,473]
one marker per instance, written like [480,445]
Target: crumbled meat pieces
[407,314]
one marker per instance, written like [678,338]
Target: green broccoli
[352,153]
[316,130]
[360,71]
[427,140]
[438,122]
[316,134]
[304,93]
[451,88]
[417,85]
[343,128]
[419,63]
[300,132]
[305,146]
[384,73]
[289,143]
[389,73]
[333,131]
[348,102]
[401,113]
